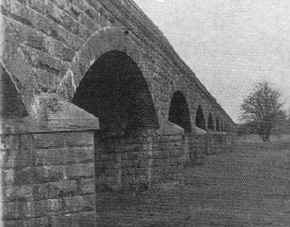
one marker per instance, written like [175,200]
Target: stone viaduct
[93,99]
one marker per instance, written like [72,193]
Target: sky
[229,44]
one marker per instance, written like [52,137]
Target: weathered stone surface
[14,210]
[79,139]
[19,154]
[55,189]
[63,156]
[62,220]
[75,220]
[53,140]
[43,221]
[60,182]
[20,193]
[87,186]
[80,170]
[50,156]
[79,203]
[46,174]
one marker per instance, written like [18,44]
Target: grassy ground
[281,138]
[242,188]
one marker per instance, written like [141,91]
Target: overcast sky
[229,44]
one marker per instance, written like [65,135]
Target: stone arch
[99,43]
[210,123]
[115,91]
[217,124]
[179,111]
[199,118]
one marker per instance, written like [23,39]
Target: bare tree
[262,108]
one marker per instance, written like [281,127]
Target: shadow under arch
[199,119]
[179,112]
[222,128]
[114,90]
[11,104]
[210,123]
[217,125]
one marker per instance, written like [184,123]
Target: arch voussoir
[101,42]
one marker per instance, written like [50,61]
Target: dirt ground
[244,188]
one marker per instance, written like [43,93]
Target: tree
[262,108]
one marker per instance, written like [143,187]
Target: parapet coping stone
[65,117]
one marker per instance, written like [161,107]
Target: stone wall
[123,163]
[138,162]
[48,179]
[168,158]
[48,46]
[59,178]
[197,144]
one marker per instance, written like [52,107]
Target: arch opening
[222,128]
[179,111]
[115,91]
[11,102]
[199,120]
[210,124]
[218,128]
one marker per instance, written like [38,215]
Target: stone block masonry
[136,163]
[57,178]
[63,178]
[48,179]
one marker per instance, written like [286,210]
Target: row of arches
[114,88]
[219,125]
[179,114]
[115,91]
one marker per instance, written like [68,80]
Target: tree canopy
[262,107]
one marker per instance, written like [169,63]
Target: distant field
[283,138]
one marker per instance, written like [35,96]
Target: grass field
[248,187]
